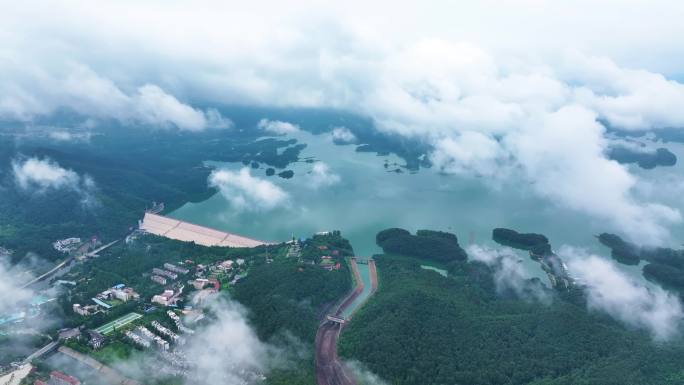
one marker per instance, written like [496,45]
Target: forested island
[423,328]
[431,245]
[645,159]
[537,244]
[665,265]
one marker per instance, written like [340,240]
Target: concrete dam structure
[188,232]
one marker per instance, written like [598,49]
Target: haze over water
[368,199]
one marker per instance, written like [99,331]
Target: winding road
[329,369]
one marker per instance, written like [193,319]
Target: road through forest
[329,369]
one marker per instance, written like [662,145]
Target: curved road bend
[329,369]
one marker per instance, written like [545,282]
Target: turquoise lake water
[368,198]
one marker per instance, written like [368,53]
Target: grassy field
[113,352]
[118,323]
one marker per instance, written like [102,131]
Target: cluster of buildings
[167,332]
[86,310]
[228,268]
[176,269]
[67,245]
[120,292]
[143,343]
[201,283]
[328,263]
[103,300]
[176,319]
[58,378]
[164,273]
[169,272]
[168,298]
[147,334]
[94,338]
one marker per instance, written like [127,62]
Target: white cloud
[627,98]
[480,86]
[80,88]
[509,273]
[611,291]
[467,153]
[11,283]
[321,176]
[277,127]
[228,350]
[41,175]
[67,136]
[342,135]
[563,153]
[224,350]
[247,192]
[156,107]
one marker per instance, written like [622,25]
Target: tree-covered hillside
[127,169]
[421,328]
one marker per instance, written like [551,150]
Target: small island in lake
[645,159]
[666,265]
[536,244]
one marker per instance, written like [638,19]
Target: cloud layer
[228,350]
[321,176]
[43,174]
[36,175]
[224,350]
[502,101]
[509,274]
[613,292]
[11,286]
[277,127]
[247,192]
[342,135]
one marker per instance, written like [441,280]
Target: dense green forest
[666,265]
[130,169]
[421,328]
[431,245]
[536,243]
[292,295]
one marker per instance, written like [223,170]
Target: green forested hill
[130,169]
[424,329]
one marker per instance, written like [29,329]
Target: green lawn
[118,323]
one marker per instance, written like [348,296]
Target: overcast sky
[499,88]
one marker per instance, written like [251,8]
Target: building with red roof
[59,378]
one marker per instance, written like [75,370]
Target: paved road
[65,263]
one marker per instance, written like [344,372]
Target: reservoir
[362,196]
